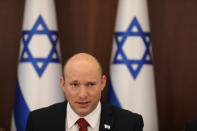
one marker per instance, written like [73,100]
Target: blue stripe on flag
[21,110]
[111,96]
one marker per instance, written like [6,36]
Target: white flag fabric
[39,67]
[132,83]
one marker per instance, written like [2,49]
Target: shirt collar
[92,118]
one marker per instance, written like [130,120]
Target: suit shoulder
[50,109]
[124,115]
[122,119]
[46,118]
[124,112]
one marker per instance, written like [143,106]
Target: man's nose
[83,92]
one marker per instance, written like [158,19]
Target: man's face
[82,86]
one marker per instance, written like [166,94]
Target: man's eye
[74,84]
[91,84]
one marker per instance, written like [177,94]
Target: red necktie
[82,124]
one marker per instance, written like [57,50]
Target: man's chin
[82,114]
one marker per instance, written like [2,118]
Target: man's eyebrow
[74,81]
[91,82]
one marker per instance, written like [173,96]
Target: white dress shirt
[93,119]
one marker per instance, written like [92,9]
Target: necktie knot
[82,124]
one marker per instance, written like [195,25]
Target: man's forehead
[79,79]
[82,58]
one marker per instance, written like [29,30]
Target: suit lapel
[62,116]
[106,122]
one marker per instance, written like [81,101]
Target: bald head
[82,58]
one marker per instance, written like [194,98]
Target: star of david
[39,63]
[134,30]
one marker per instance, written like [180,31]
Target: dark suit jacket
[52,118]
[191,125]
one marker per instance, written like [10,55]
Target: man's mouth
[83,104]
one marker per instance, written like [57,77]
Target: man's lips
[83,104]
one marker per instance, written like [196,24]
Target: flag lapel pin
[106,126]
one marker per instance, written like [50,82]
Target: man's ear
[62,82]
[103,81]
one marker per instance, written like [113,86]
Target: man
[82,84]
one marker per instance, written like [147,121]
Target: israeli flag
[132,84]
[39,67]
